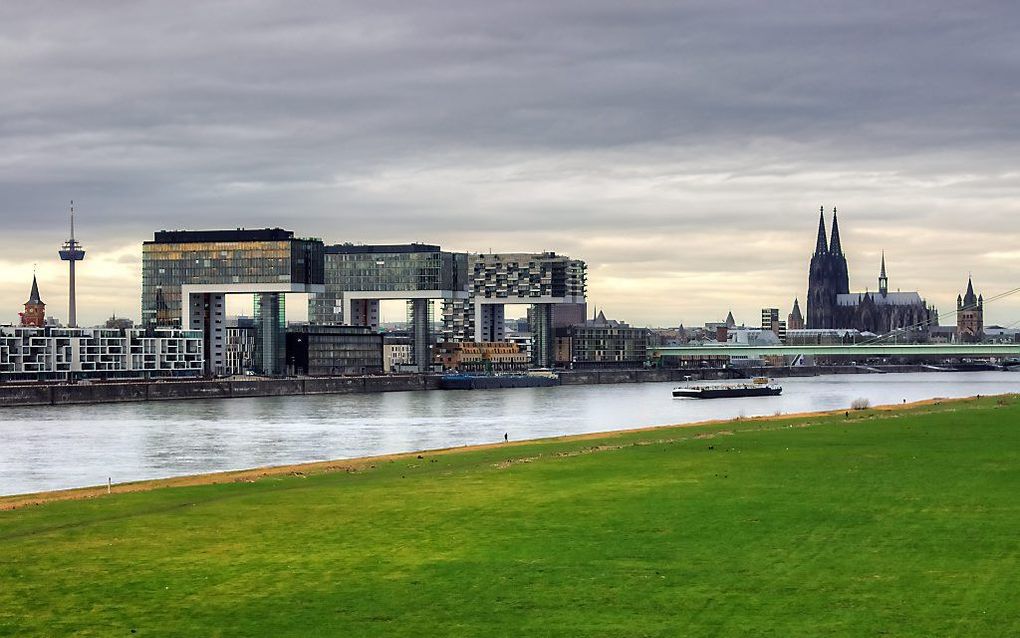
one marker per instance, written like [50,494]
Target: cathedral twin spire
[833,246]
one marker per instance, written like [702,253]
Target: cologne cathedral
[830,304]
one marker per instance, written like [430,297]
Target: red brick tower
[35,310]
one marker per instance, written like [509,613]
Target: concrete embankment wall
[31,395]
[12,395]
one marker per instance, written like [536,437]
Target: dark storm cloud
[506,125]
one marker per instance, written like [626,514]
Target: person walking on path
[506,437]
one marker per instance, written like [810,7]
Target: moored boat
[461,381]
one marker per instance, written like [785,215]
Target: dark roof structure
[203,236]
[375,249]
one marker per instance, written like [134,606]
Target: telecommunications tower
[72,252]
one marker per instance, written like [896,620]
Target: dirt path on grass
[369,462]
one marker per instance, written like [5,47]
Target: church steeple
[883,281]
[35,310]
[821,247]
[834,246]
[970,299]
[33,297]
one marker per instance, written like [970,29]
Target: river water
[73,446]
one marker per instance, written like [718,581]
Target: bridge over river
[980,350]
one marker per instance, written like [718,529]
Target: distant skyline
[682,151]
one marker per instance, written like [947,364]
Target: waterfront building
[318,350]
[525,341]
[397,353]
[832,305]
[241,336]
[469,356]
[186,276]
[542,280]
[31,353]
[35,310]
[602,343]
[358,277]
[970,310]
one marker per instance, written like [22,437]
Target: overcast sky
[681,149]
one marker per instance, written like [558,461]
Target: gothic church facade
[830,304]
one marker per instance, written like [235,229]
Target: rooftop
[888,299]
[375,249]
[239,234]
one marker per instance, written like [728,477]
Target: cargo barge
[756,387]
[487,382]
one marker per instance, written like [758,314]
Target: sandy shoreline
[357,464]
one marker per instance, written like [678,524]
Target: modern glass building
[187,274]
[357,277]
[334,350]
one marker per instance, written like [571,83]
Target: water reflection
[59,447]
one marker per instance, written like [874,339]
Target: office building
[358,277]
[241,335]
[770,321]
[31,353]
[186,276]
[319,351]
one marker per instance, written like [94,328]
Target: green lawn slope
[886,523]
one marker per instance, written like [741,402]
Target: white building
[397,356]
[56,353]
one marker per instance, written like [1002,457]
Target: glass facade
[175,258]
[389,268]
[270,333]
[334,350]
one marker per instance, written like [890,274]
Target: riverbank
[370,462]
[895,522]
[32,394]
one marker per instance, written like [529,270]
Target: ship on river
[756,387]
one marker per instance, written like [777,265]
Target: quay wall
[28,394]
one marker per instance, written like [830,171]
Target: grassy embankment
[886,523]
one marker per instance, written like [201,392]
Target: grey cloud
[507,125]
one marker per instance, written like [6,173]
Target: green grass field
[887,523]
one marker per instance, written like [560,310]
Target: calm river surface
[72,446]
